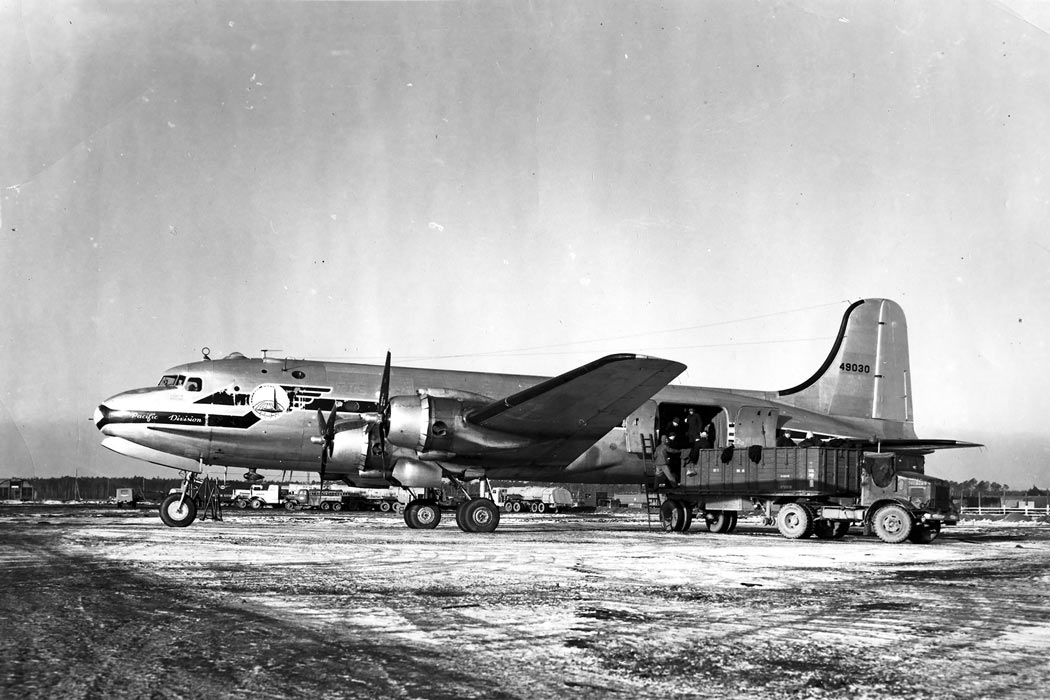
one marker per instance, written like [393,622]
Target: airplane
[377,426]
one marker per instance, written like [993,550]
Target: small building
[16,490]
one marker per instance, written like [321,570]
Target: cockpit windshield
[172,380]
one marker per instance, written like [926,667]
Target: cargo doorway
[712,420]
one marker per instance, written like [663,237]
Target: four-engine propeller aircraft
[593,424]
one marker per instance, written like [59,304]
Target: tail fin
[867,374]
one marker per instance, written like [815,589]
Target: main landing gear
[473,515]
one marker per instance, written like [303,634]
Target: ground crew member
[666,458]
[810,441]
[785,440]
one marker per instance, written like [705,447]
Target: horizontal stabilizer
[925,445]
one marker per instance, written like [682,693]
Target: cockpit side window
[193,384]
[168,380]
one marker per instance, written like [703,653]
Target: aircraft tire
[174,514]
[671,515]
[410,515]
[425,515]
[924,534]
[478,515]
[892,523]
[795,521]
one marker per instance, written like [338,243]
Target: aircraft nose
[101,418]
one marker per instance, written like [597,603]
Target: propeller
[383,407]
[326,439]
[379,421]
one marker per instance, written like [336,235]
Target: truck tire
[892,523]
[176,514]
[337,506]
[384,506]
[541,507]
[517,506]
[290,505]
[924,534]
[794,521]
[720,521]
[824,529]
[325,506]
[256,504]
[241,503]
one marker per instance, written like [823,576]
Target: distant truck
[327,499]
[126,498]
[533,499]
[258,495]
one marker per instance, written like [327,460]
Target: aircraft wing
[584,403]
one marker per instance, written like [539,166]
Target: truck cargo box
[778,471]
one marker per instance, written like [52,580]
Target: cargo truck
[820,491]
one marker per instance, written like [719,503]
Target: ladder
[652,498]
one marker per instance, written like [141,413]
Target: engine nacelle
[436,424]
[349,449]
[412,473]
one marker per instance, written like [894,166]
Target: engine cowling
[430,423]
[350,449]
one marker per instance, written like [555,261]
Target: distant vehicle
[126,498]
[533,499]
[259,495]
[326,500]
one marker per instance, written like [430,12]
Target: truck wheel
[289,505]
[720,521]
[795,521]
[325,506]
[508,507]
[241,503]
[824,529]
[541,507]
[176,514]
[337,506]
[256,504]
[892,523]
[477,515]
[384,506]
[924,534]
[687,517]
[517,506]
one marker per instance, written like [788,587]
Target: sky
[523,188]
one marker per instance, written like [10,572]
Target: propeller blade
[384,385]
[384,403]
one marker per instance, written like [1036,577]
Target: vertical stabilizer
[867,374]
